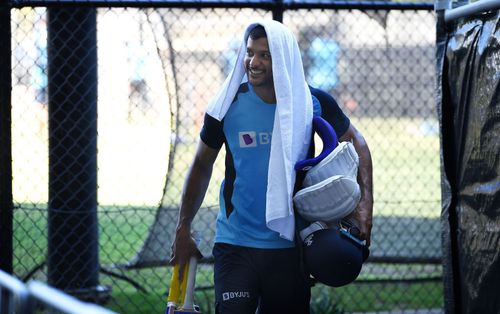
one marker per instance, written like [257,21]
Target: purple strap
[330,141]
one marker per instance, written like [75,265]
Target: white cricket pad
[343,160]
[331,191]
[329,200]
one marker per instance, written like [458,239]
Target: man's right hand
[183,248]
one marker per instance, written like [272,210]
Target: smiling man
[258,65]
[263,117]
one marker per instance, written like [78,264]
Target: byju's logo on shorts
[248,139]
[235,294]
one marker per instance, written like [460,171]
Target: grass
[383,297]
[123,233]
[358,297]
[406,184]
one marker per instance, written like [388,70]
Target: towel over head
[292,129]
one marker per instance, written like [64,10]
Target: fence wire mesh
[157,68]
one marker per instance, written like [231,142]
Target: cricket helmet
[330,190]
[333,255]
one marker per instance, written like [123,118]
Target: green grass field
[119,244]
[406,184]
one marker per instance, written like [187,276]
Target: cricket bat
[181,292]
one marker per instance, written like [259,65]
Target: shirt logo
[248,139]
[251,138]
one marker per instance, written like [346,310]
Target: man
[263,116]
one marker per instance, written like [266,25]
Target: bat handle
[191,278]
[177,286]
[174,290]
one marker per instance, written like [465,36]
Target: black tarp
[468,95]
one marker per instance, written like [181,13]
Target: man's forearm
[193,193]
[364,212]
[365,169]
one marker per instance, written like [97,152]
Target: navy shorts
[270,280]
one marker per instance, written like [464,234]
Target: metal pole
[6,202]
[440,5]
[15,297]
[62,302]
[471,9]
[258,4]
[278,10]
[73,264]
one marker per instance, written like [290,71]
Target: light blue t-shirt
[247,131]
[248,127]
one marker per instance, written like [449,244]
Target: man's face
[258,63]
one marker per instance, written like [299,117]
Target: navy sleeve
[212,132]
[331,111]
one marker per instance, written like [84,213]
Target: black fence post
[6,201]
[278,9]
[73,264]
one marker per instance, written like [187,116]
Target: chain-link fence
[133,108]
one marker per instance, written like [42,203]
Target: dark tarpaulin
[468,95]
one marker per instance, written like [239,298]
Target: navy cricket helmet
[333,256]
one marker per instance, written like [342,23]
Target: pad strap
[330,141]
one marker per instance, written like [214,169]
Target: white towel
[292,124]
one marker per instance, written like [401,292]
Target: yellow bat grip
[184,284]
[177,287]
[174,291]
